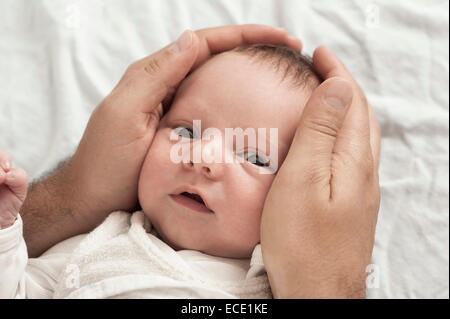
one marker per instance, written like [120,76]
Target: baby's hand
[13,190]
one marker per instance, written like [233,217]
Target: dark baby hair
[292,64]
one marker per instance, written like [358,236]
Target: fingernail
[10,175]
[280,29]
[339,94]
[183,43]
[297,41]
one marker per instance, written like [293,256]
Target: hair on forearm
[50,171]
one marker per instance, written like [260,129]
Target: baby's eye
[183,131]
[255,159]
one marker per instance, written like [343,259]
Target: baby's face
[229,91]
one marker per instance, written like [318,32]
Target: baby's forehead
[258,67]
[233,63]
[232,87]
[230,76]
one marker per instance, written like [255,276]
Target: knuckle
[21,173]
[152,67]
[323,126]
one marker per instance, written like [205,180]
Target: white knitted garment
[120,259]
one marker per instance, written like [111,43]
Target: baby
[198,233]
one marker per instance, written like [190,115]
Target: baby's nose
[209,160]
[209,170]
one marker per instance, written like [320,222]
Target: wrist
[53,203]
[7,224]
[80,196]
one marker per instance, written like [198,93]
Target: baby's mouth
[192,201]
[195,197]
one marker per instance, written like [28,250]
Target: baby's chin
[192,238]
[206,246]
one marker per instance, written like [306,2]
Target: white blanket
[58,59]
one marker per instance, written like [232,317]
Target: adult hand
[320,214]
[102,176]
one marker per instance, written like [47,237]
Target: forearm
[55,210]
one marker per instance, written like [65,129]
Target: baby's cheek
[255,188]
[250,197]
[158,154]
[156,168]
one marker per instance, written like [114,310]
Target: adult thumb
[160,73]
[317,132]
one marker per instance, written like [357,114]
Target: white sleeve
[23,277]
[13,259]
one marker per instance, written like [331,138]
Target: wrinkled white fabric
[120,259]
[59,58]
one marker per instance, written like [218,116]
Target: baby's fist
[13,190]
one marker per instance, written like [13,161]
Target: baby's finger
[5,160]
[2,175]
[17,181]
